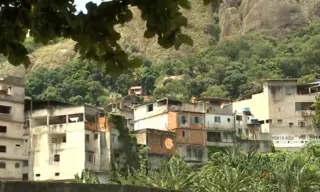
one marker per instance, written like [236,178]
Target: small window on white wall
[217,119]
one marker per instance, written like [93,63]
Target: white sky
[81,4]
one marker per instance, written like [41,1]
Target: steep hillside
[231,18]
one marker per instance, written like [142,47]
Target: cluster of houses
[52,140]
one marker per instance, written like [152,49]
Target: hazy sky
[81,4]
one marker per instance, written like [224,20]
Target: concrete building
[13,151]
[161,145]
[184,119]
[284,110]
[226,128]
[64,140]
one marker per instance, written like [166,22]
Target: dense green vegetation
[226,171]
[235,67]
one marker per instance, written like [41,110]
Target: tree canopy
[93,31]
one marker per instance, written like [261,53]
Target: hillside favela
[160,96]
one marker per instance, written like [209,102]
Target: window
[26,140]
[229,120]
[64,139]
[3,129]
[96,136]
[268,121]
[150,108]
[54,140]
[183,119]
[17,145]
[279,121]
[56,174]
[290,124]
[2,165]
[56,158]
[3,149]
[87,138]
[261,122]
[114,138]
[17,165]
[89,157]
[38,175]
[5,109]
[185,134]
[196,120]
[217,119]
[25,163]
[239,131]
[302,123]
[25,177]
[239,117]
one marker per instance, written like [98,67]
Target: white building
[284,110]
[65,140]
[13,151]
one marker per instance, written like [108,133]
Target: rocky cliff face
[271,17]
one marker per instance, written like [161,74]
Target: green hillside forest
[233,68]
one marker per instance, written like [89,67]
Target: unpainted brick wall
[12,186]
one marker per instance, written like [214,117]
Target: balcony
[219,126]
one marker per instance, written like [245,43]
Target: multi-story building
[13,151]
[227,128]
[184,119]
[65,140]
[284,110]
[161,145]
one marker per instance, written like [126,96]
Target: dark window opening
[279,120]
[217,119]
[25,177]
[185,134]
[229,120]
[96,136]
[214,137]
[56,120]
[38,175]
[183,119]
[17,145]
[2,165]
[25,163]
[261,122]
[17,165]
[3,149]
[5,109]
[189,151]
[56,158]
[3,129]
[290,124]
[302,123]
[239,117]
[87,138]
[74,118]
[269,121]
[150,108]
[64,139]
[56,174]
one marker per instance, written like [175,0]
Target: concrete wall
[159,122]
[72,187]
[226,122]
[13,137]
[67,140]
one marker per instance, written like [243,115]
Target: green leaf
[184,4]
[135,63]
[206,2]
[186,39]
[149,34]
